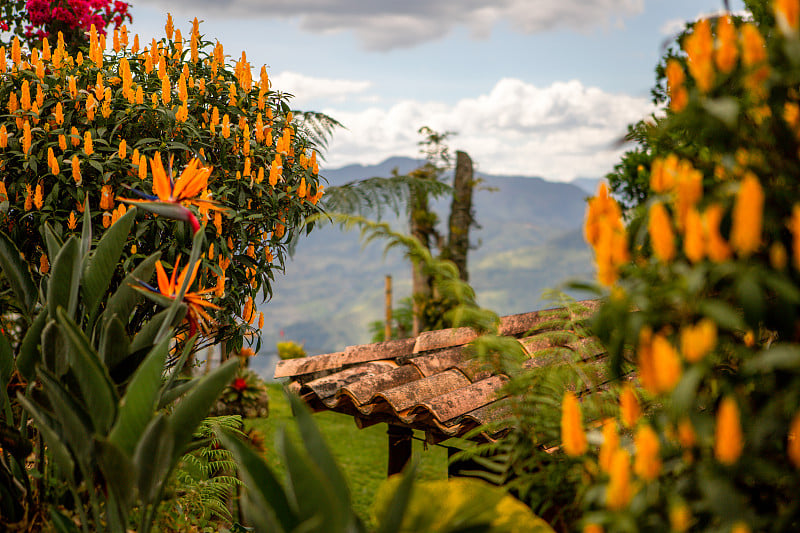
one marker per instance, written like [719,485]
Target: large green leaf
[93,379]
[53,241]
[119,473]
[776,357]
[55,351]
[56,447]
[29,354]
[86,229]
[124,300]
[103,261]
[269,508]
[74,420]
[146,337]
[6,369]
[138,406]
[194,407]
[392,517]
[114,342]
[62,288]
[154,457]
[17,273]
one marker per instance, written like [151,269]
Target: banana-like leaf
[29,354]
[175,391]
[61,523]
[86,230]
[153,458]
[124,299]
[187,351]
[17,273]
[194,407]
[55,351]
[138,406]
[114,342]
[120,475]
[6,369]
[75,422]
[62,288]
[96,385]
[53,241]
[149,331]
[55,445]
[268,507]
[100,265]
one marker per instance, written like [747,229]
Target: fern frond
[316,126]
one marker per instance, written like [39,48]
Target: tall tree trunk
[461,217]
[421,226]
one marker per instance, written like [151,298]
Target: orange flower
[106,197]
[59,114]
[716,247]
[698,340]
[610,444]
[76,169]
[88,147]
[44,264]
[794,227]
[727,51]
[123,149]
[27,138]
[260,320]
[619,491]
[686,435]
[3,192]
[605,232]
[754,56]
[793,441]
[647,463]
[666,364]
[38,197]
[728,443]
[747,213]
[699,46]
[694,238]
[248,314]
[28,197]
[629,406]
[72,221]
[3,136]
[787,13]
[661,235]
[573,438]
[107,220]
[680,518]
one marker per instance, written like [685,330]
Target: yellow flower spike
[793,441]
[749,339]
[139,95]
[38,197]
[73,87]
[728,443]
[27,138]
[123,35]
[619,491]
[686,434]
[777,256]
[573,438]
[106,198]
[123,149]
[44,264]
[666,364]
[747,216]
[148,63]
[162,67]
[787,15]
[53,162]
[16,52]
[678,95]
[219,291]
[740,527]
[629,406]
[717,248]
[76,170]
[59,114]
[135,46]
[248,314]
[230,244]
[72,221]
[645,362]
[25,99]
[91,104]
[231,94]
[178,41]
[28,197]
[166,91]
[662,237]
[3,137]
[218,223]
[169,26]
[211,252]
[99,88]
[698,340]
[39,96]
[301,190]
[115,42]
[142,168]
[183,93]
[3,64]
[226,126]
[88,147]
[610,444]
[13,102]
[794,228]
[647,463]
[694,237]
[727,51]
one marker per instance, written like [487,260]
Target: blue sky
[531,87]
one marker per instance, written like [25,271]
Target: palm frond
[318,127]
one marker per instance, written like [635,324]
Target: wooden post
[399,448]
[387,328]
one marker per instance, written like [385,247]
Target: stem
[79,505]
[87,479]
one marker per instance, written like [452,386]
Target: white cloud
[308,88]
[558,132]
[388,24]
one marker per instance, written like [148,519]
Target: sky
[528,87]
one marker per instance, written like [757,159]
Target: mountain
[530,239]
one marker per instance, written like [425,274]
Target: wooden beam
[400,439]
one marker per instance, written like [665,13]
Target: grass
[361,453]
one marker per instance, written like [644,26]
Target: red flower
[239,384]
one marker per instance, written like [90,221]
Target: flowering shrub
[102,125]
[704,298]
[34,20]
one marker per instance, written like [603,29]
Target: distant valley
[530,239]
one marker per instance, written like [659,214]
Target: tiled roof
[430,382]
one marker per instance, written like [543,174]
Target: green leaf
[392,517]
[197,247]
[725,109]
[56,447]
[102,263]
[54,242]
[123,301]
[73,418]
[29,354]
[154,457]
[119,472]
[147,334]
[6,369]
[93,379]
[176,391]
[269,507]
[194,407]
[61,523]
[62,289]
[55,352]
[776,357]
[86,230]
[138,406]
[723,314]
[17,273]
[114,342]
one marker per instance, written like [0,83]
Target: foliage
[33,20]
[290,350]
[402,318]
[94,394]
[94,125]
[204,482]
[707,306]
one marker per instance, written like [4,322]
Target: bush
[91,128]
[290,350]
